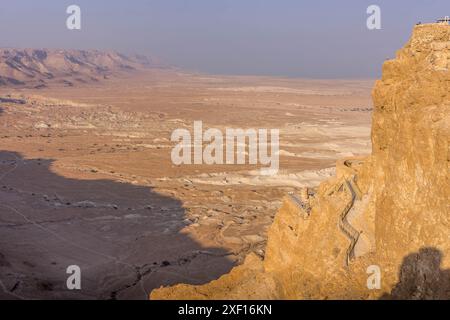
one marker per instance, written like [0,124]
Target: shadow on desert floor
[421,277]
[125,238]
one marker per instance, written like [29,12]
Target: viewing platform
[445,20]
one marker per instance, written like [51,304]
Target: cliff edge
[387,212]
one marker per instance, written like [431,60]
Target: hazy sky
[299,38]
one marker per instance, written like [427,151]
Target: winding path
[300,205]
[351,233]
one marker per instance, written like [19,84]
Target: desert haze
[87,179]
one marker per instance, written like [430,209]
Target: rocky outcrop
[410,157]
[389,210]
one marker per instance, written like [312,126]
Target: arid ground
[86,177]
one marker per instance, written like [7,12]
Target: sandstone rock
[253,238]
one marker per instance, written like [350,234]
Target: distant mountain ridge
[40,67]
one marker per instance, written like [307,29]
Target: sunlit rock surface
[389,210]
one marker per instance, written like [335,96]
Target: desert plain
[86,176]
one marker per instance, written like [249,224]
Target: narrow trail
[346,228]
[348,186]
[301,205]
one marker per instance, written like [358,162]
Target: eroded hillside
[37,68]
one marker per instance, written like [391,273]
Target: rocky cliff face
[389,211]
[410,158]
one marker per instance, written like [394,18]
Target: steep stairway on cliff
[350,232]
[303,207]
